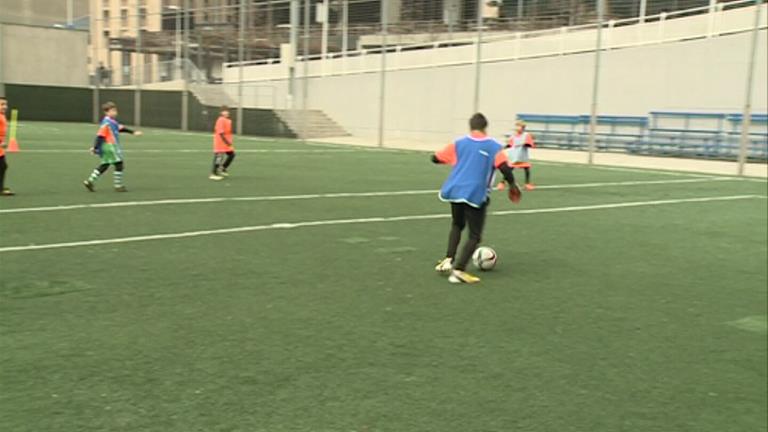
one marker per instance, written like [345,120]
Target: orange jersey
[3,129]
[223,126]
[105,131]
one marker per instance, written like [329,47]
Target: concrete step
[211,94]
[311,124]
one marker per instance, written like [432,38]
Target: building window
[124,17]
[143,17]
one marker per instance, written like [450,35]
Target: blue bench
[557,131]
[662,133]
[614,133]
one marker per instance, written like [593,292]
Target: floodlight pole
[383,71]
[185,83]
[595,84]
[95,36]
[344,27]
[324,37]
[746,119]
[139,69]
[2,83]
[294,36]
[305,65]
[240,60]
[642,11]
[478,55]
[70,14]
[178,42]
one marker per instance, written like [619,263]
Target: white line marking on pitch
[129,151]
[171,201]
[291,225]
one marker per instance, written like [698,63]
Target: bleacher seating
[661,133]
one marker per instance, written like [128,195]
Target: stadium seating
[661,133]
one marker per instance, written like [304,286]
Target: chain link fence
[653,77]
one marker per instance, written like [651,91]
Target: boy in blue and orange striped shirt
[107,147]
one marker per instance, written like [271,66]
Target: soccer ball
[484,258]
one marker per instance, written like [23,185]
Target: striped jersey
[109,129]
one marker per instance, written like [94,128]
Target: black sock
[230,158]
[216,163]
[3,168]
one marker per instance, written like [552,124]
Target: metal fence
[587,75]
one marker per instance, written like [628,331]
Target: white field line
[291,225]
[130,151]
[627,169]
[173,201]
[330,148]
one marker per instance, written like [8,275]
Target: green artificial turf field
[322,313]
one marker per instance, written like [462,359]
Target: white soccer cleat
[215,177]
[444,266]
[458,276]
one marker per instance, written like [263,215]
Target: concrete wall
[43,55]
[37,12]
[434,104]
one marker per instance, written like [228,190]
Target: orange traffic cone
[13,146]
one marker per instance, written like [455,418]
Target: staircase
[302,123]
[212,95]
[310,124]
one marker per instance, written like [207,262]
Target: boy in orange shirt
[223,149]
[4,191]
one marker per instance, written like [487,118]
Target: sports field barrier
[699,135]
[159,108]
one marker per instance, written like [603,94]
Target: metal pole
[139,69]
[70,14]
[2,83]
[324,39]
[479,56]
[520,9]
[595,83]
[293,40]
[711,17]
[178,43]
[240,59]
[185,83]
[305,64]
[383,71]
[345,27]
[95,36]
[643,8]
[746,120]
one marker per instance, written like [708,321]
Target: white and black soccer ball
[484,258]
